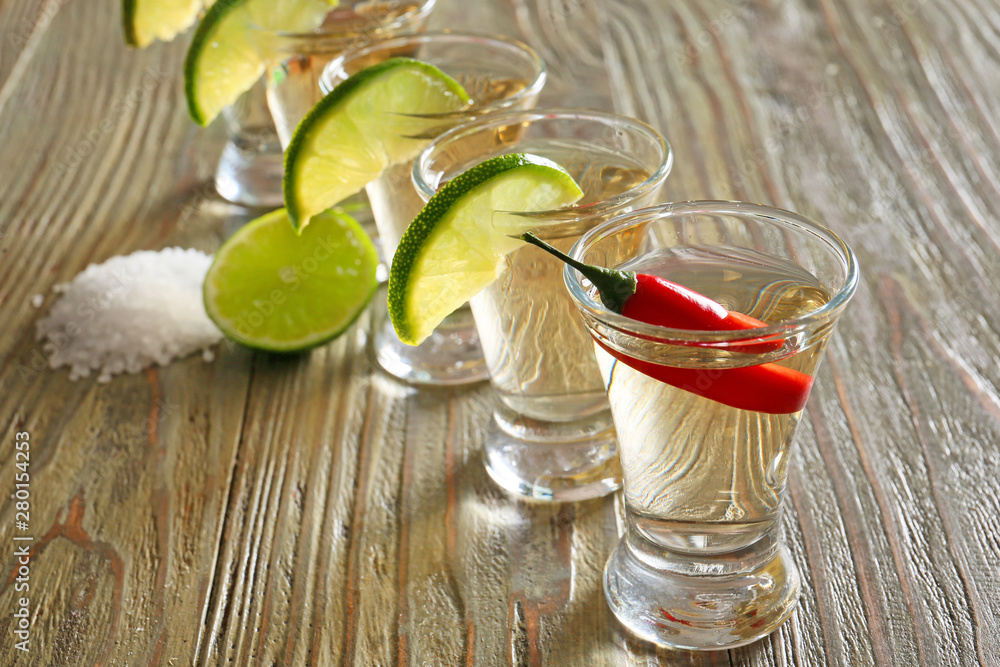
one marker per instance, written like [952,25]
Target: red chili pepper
[766,388]
[762,388]
[667,304]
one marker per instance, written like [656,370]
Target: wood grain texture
[310,511]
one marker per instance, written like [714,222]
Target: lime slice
[273,289]
[227,54]
[380,116]
[147,20]
[455,247]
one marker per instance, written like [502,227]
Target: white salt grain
[37,300]
[129,313]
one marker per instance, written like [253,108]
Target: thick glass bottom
[701,602]
[250,169]
[560,468]
[450,356]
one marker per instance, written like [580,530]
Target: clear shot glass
[498,74]
[297,60]
[251,166]
[704,438]
[552,436]
[262,121]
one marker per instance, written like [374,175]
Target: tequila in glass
[498,74]
[298,59]
[554,437]
[701,565]
[261,122]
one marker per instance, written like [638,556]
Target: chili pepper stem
[615,287]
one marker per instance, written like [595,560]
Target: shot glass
[250,168]
[552,436]
[704,444]
[498,74]
[262,121]
[297,60]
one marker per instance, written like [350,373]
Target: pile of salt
[130,312]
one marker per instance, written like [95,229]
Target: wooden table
[263,510]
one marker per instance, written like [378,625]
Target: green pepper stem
[615,287]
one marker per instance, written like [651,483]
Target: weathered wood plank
[789,103]
[308,510]
[24,24]
[129,480]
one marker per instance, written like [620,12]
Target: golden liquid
[540,357]
[293,79]
[365,17]
[700,475]
[394,200]
[484,90]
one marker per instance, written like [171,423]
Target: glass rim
[655,333]
[421,163]
[336,66]
[421,11]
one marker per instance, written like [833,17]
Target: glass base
[567,462]
[701,602]
[250,169]
[450,356]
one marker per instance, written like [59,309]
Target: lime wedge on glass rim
[146,20]
[456,246]
[273,289]
[227,54]
[377,117]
